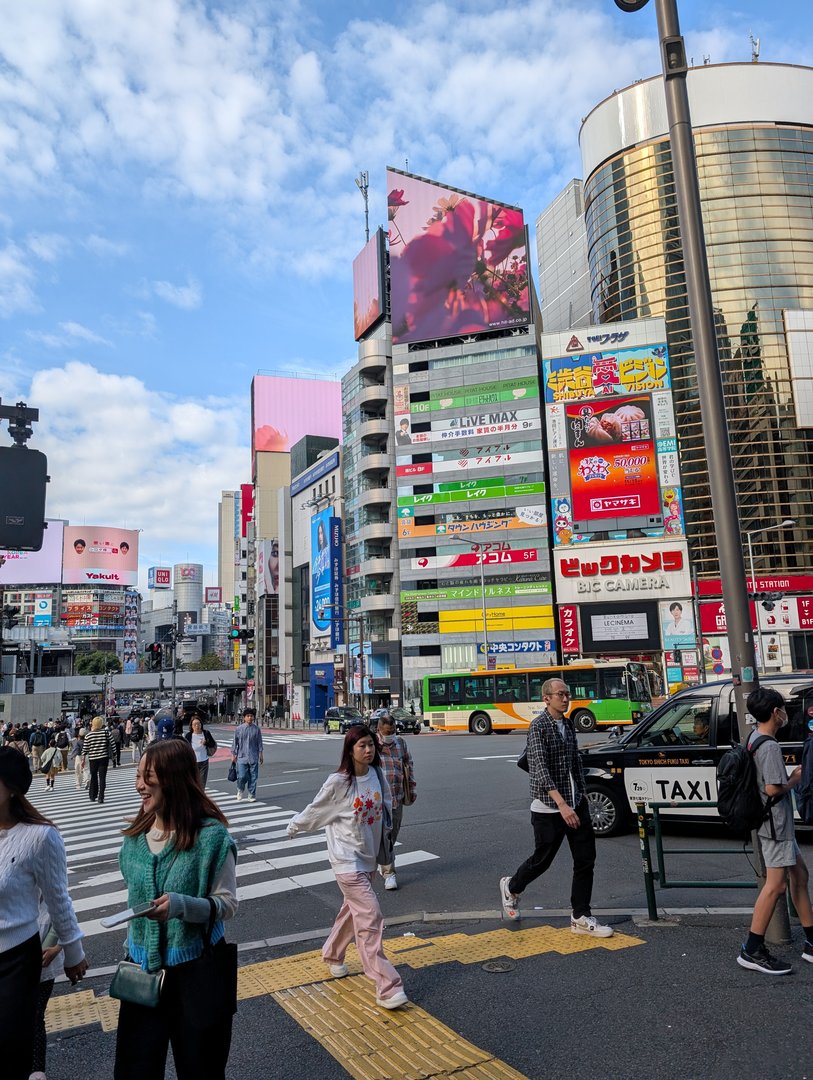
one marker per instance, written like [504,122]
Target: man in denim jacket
[558,810]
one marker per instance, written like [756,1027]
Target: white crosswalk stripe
[268,862]
[273,738]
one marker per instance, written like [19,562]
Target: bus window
[612,683]
[638,682]
[535,687]
[444,691]
[583,684]
[511,688]
[478,689]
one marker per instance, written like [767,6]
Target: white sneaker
[394,1002]
[510,903]
[252,798]
[390,882]
[37,1076]
[239,796]
[587,924]
[338,971]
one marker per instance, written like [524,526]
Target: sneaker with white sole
[239,796]
[761,960]
[338,971]
[390,882]
[807,952]
[588,924]
[510,903]
[394,1002]
[252,798]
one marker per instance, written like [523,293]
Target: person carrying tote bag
[354,808]
[178,855]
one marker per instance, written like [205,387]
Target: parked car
[672,754]
[404,720]
[341,717]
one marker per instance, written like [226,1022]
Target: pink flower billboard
[368,284]
[283,410]
[458,262]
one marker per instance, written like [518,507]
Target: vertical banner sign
[569,629]
[336,582]
[321,614]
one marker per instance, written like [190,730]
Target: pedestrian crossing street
[267,861]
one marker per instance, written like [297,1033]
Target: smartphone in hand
[121,917]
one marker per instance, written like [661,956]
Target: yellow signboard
[470,620]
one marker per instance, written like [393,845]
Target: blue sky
[178,209]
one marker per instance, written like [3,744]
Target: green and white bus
[602,695]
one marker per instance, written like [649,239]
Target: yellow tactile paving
[341,1014]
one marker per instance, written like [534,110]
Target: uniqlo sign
[569,629]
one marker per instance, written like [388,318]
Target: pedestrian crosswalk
[267,862]
[272,738]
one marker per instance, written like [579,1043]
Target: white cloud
[76,330]
[123,454]
[105,248]
[16,282]
[49,247]
[186,297]
[70,333]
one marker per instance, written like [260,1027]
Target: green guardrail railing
[649,824]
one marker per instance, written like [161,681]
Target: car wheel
[583,720]
[416,730]
[327,728]
[608,813]
[480,724]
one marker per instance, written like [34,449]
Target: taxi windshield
[687,721]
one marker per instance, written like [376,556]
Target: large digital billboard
[321,592]
[267,567]
[99,553]
[283,410]
[458,262]
[369,285]
[43,567]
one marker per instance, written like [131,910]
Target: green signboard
[490,393]
[470,494]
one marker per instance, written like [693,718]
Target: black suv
[341,717]
[404,720]
[672,754]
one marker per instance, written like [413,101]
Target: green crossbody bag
[131,983]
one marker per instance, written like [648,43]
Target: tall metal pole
[753,590]
[709,377]
[483,595]
[174,650]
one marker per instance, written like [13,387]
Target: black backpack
[739,802]
[136,731]
[38,739]
[62,740]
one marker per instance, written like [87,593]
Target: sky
[178,209]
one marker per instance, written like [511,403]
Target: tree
[97,663]
[208,662]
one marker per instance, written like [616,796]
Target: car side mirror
[615,733]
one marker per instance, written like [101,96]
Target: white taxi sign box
[599,572]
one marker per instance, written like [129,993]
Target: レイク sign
[603,572]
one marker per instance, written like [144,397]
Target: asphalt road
[655,1009]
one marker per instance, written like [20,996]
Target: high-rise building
[564,275]
[753,128]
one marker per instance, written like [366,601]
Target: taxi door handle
[703,761]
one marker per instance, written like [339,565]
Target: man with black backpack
[783,860]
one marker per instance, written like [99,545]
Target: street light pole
[709,377]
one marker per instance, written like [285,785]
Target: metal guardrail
[650,825]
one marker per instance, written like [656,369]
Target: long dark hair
[21,809]
[353,735]
[173,763]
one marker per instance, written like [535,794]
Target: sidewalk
[495,1001]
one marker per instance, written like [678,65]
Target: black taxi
[672,754]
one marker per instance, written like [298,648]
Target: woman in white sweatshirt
[32,862]
[352,807]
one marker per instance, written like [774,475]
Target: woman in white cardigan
[32,862]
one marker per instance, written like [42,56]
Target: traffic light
[154,656]
[240,635]
[23,477]
[10,619]
[767,599]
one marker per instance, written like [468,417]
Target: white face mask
[388,738]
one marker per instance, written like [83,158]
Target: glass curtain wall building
[753,128]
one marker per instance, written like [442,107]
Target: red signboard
[569,629]
[414,470]
[246,506]
[790,583]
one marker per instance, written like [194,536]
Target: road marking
[342,1016]
[494,757]
[289,772]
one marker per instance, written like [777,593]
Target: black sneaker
[807,952]
[761,960]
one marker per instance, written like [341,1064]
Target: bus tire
[583,720]
[608,813]
[480,724]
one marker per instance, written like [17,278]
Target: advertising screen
[623,627]
[613,471]
[368,284]
[321,594]
[267,567]
[458,262]
[283,410]
[677,623]
[43,567]
[336,581]
[99,553]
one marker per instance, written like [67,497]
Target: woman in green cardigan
[177,854]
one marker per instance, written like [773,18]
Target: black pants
[40,1035]
[98,778]
[20,970]
[145,1035]
[203,769]
[549,832]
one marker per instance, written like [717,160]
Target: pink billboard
[43,567]
[284,410]
[99,554]
[458,262]
[368,285]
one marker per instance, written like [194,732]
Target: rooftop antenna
[363,184]
[706,58]
[754,48]
[406,164]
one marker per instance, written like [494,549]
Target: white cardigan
[32,861]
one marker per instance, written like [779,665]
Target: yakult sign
[603,572]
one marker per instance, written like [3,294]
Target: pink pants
[360,918]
